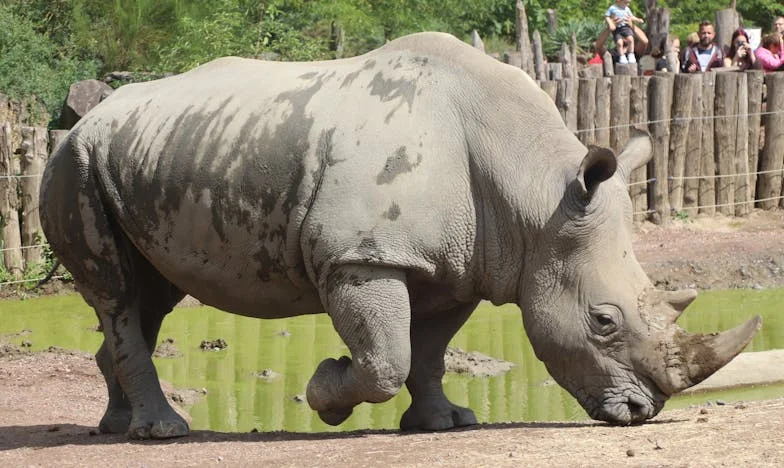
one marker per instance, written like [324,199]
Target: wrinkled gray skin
[394,191]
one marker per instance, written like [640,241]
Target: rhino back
[213,173]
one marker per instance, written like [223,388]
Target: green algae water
[238,400]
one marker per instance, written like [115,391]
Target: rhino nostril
[638,411]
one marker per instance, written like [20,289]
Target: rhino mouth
[629,410]
[630,406]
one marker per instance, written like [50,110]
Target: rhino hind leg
[144,414]
[159,299]
[430,408]
[112,276]
[370,310]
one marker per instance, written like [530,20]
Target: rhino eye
[604,321]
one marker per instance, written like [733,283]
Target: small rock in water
[216,345]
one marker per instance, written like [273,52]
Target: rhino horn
[678,302]
[691,358]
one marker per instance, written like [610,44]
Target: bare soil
[50,402]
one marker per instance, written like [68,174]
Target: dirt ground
[50,402]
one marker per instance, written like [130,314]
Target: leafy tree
[31,67]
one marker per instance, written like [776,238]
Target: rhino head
[593,316]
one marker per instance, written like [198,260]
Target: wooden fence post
[772,157]
[691,168]
[725,131]
[476,41]
[55,138]
[566,101]
[586,110]
[754,81]
[601,133]
[12,241]
[550,87]
[743,198]
[539,62]
[659,108]
[523,42]
[620,107]
[35,144]
[568,68]
[707,195]
[638,115]
[684,86]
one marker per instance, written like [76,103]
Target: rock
[216,345]
[474,363]
[166,349]
[82,96]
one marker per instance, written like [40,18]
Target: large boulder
[82,96]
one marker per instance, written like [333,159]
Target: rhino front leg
[430,409]
[370,310]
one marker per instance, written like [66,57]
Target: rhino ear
[636,153]
[597,166]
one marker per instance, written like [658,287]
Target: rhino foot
[162,429]
[426,418]
[115,422]
[333,417]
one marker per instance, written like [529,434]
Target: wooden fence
[24,151]
[718,138]
[718,142]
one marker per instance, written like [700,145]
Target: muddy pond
[253,373]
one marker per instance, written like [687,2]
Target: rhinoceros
[393,191]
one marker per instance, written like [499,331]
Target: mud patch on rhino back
[397,164]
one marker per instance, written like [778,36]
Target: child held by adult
[619,18]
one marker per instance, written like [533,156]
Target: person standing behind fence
[706,54]
[778,25]
[770,53]
[740,54]
[619,19]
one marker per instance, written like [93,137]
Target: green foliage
[198,39]
[585,32]
[31,67]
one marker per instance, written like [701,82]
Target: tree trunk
[552,20]
[727,21]
[9,204]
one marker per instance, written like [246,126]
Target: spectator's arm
[610,22]
[768,60]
